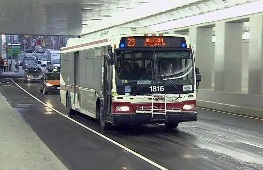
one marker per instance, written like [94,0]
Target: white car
[55,64]
[29,52]
[44,62]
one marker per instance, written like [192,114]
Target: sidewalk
[13,74]
[20,147]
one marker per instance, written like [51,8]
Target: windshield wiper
[173,76]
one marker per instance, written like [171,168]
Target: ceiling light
[86,9]
[92,4]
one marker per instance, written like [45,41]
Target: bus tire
[103,122]
[169,125]
[70,111]
[45,91]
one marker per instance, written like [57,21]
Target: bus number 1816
[156,88]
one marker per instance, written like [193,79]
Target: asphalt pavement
[216,141]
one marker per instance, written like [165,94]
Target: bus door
[107,82]
[76,75]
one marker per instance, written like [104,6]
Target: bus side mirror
[198,76]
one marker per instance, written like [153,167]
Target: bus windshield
[131,64]
[174,66]
[155,66]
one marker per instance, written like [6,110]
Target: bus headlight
[188,107]
[122,108]
[48,85]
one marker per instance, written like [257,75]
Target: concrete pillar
[228,56]
[233,57]
[204,53]
[245,61]
[255,75]
[219,56]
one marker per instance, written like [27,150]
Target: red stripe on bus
[69,88]
[83,45]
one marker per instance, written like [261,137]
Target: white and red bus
[122,77]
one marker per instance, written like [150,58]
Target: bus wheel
[169,125]
[45,91]
[103,123]
[70,111]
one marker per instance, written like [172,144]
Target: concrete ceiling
[78,17]
[75,17]
[190,15]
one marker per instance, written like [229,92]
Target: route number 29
[156,88]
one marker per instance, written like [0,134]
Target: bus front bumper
[139,119]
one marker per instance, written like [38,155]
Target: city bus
[126,77]
[13,50]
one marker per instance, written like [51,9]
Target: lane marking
[240,115]
[95,132]
[218,103]
[229,113]
[252,144]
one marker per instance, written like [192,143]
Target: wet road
[215,141]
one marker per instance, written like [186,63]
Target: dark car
[29,51]
[39,55]
[20,59]
[28,62]
[49,82]
[32,74]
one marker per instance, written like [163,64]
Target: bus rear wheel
[44,91]
[70,111]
